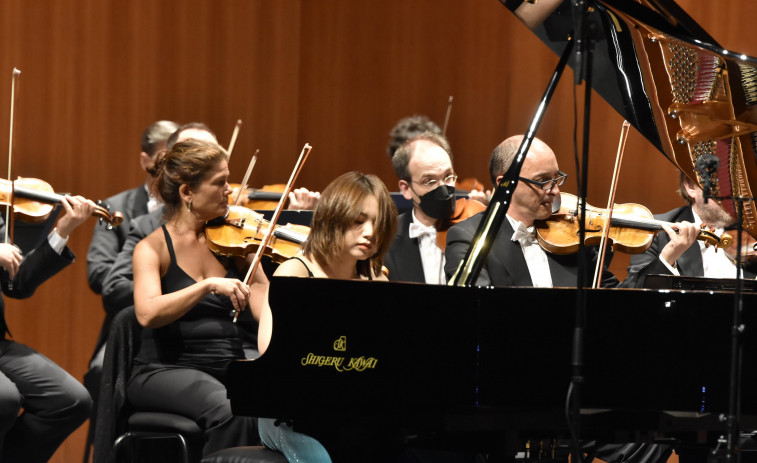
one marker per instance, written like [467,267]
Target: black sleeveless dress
[205,338]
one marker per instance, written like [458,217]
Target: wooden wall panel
[332,73]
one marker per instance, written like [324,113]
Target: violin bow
[446,117]
[234,135]
[243,185]
[611,200]
[9,211]
[272,227]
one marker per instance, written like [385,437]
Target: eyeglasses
[433,183]
[547,185]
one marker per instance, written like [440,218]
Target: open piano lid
[667,77]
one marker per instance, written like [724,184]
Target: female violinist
[54,404]
[184,297]
[353,224]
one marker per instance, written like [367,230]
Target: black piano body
[442,359]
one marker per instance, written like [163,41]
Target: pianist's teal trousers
[296,447]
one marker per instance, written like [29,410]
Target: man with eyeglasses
[515,258]
[427,178]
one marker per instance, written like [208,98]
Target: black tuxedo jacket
[118,285]
[404,257]
[36,267]
[689,264]
[106,243]
[506,265]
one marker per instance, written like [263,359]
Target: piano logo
[341,344]
[339,363]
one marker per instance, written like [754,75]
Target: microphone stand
[733,419]
[584,32]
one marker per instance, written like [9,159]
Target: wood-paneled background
[334,73]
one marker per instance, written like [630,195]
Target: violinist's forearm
[160,310]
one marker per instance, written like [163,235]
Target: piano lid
[671,80]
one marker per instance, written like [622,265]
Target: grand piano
[425,363]
[446,360]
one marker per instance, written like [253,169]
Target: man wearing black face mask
[427,178]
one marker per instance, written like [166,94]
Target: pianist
[353,224]
[516,259]
[677,251]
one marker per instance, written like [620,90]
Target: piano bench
[257,454]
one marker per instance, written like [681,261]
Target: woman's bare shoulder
[293,268]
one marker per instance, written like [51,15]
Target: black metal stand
[734,393]
[583,70]
[470,267]
[731,453]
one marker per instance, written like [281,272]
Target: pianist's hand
[682,235]
[234,289]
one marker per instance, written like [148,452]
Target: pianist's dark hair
[407,128]
[188,162]
[401,158]
[337,210]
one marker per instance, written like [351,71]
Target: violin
[464,208]
[632,228]
[32,200]
[241,231]
[748,247]
[265,198]
[469,184]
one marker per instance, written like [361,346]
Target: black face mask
[439,203]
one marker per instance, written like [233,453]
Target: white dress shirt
[715,263]
[536,258]
[152,202]
[432,256]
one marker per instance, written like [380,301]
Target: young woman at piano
[353,226]
[184,295]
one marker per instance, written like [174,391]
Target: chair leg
[184,448]
[92,383]
[128,440]
[122,440]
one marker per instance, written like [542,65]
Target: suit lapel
[407,255]
[510,257]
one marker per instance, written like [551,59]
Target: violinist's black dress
[180,367]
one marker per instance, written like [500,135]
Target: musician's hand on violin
[76,210]
[10,258]
[234,289]
[481,196]
[303,199]
[682,235]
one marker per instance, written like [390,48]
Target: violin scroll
[113,219]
